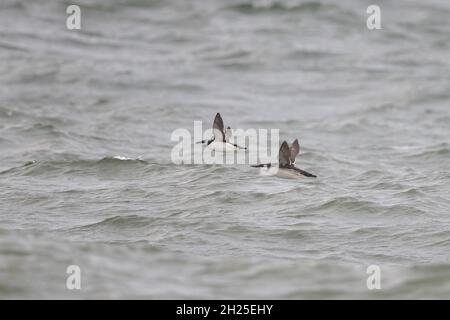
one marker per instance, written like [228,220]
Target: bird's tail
[262,165]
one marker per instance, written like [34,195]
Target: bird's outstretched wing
[284,155]
[218,128]
[228,134]
[294,150]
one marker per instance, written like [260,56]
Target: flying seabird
[286,160]
[221,139]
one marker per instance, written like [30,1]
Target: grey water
[86,176]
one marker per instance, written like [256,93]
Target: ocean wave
[259,7]
[9,114]
[348,204]
[66,163]
[14,169]
[238,196]
[314,55]
[119,159]
[131,221]
[413,193]
[441,150]
[44,128]
[115,5]
[129,229]
[13,47]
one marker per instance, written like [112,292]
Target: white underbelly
[222,147]
[288,173]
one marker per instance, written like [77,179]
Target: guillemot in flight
[221,139]
[286,160]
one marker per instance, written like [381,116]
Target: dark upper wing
[219,133]
[294,150]
[284,155]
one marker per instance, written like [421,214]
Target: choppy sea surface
[86,176]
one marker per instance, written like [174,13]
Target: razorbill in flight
[286,160]
[221,139]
